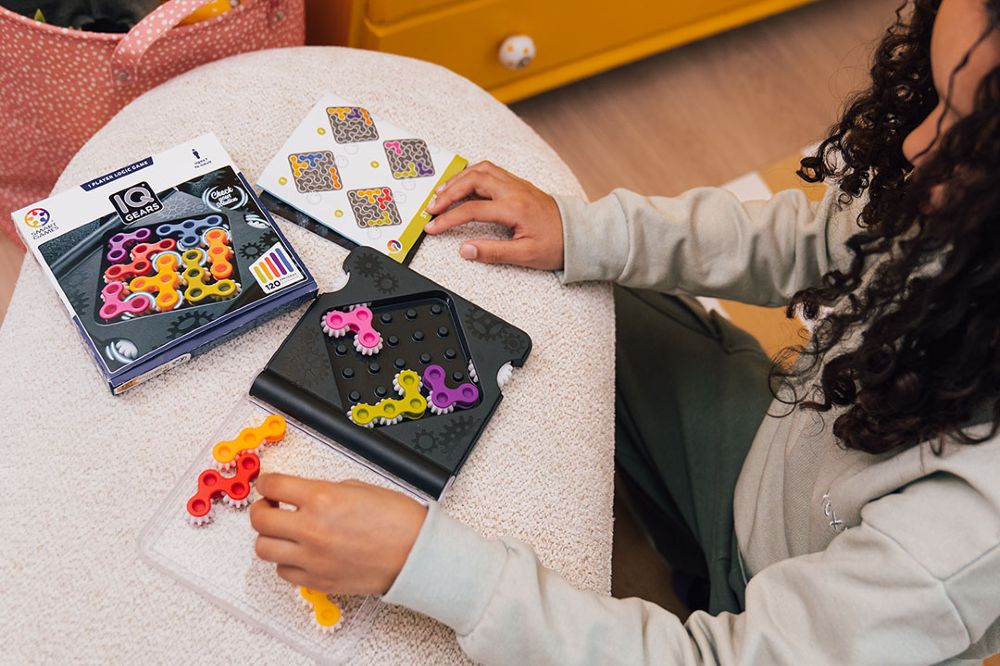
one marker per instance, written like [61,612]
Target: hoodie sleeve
[707,243]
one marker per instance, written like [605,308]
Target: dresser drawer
[465,37]
[387,11]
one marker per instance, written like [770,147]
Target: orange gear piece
[164,283]
[270,431]
[219,253]
[326,613]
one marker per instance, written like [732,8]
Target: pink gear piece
[115,305]
[367,340]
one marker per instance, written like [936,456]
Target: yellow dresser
[569,39]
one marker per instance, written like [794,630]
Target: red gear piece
[213,485]
[141,265]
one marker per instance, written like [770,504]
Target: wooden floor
[703,115]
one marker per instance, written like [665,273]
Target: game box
[160,259]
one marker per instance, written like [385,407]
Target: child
[866,514]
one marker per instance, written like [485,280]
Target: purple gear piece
[189,232]
[120,243]
[444,399]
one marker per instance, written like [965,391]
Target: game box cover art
[157,260]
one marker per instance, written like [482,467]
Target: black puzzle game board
[395,368]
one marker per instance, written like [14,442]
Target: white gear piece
[504,374]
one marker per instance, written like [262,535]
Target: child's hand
[504,199]
[344,538]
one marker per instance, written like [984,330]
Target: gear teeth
[504,374]
[329,629]
[225,466]
[337,332]
[236,504]
[199,521]
[438,410]
[365,351]
[473,375]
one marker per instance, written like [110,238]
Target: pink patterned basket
[59,86]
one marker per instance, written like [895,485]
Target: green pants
[691,391]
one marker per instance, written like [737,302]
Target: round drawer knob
[517,52]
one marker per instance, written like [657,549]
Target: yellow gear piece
[270,431]
[326,612]
[194,276]
[392,410]
[164,283]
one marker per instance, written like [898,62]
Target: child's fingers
[486,166]
[279,551]
[273,522]
[485,185]
[296,575]
[479,211]
[518,252]
[284,488]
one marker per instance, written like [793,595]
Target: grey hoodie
[852,558]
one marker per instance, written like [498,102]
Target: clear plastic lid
[218,559]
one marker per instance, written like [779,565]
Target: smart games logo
[36,217]
[394,245]
[40,221]
[136,202]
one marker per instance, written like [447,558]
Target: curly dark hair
[914,322]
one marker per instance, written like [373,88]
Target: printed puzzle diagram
[315,171]
[374,207]
[408,158]
[351,124]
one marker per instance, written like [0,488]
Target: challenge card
[346,170]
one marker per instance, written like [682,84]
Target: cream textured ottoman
[81,471]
